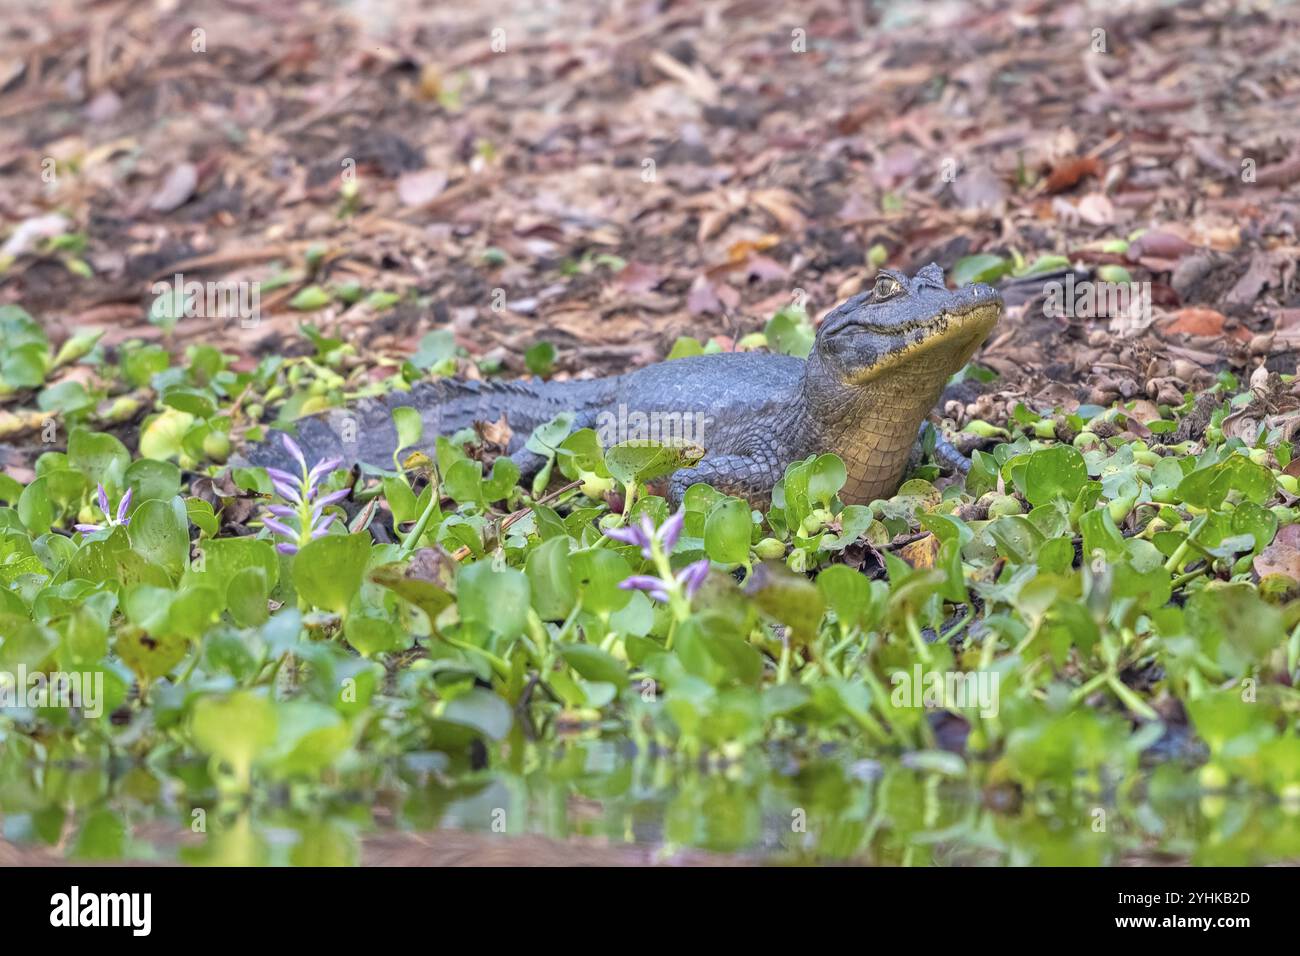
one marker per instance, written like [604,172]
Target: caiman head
[906,326]
[879,363]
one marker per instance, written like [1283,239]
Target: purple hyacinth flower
[671,530]
[101,498]
[320,523]
[643,534]
[294,450]
[279,527]
[321,470]
[332,498]
[301,493]
[287,492]
[644,582]
[631,535]
[693,575]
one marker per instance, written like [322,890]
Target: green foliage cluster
[1105,581]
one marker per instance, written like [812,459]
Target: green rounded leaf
[160,531]
[309,299]
[980,268]
[410,426]
[727,531]
[597,573]
[550,579]
[373,635]
[328,571]
[246,597]
[1209,487]
[481,710]
[494,600]
[236,729]
[163,435]
[847,592]
[593,663]
[99,456]
[1056,472]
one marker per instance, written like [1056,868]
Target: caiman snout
[912,326]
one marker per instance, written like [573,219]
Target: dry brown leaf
[782,205]
[740,251]
[421,187]
[1282,556]
[176,189]
[1068,171]
[1159,244]
[1196,320]
[712,223]
[496,433]
[639,277]
[703,297]
[698,83]
[920,553]
[1096,210]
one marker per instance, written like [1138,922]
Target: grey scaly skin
[877,367]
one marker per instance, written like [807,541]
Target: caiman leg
[737,475]
[946,454]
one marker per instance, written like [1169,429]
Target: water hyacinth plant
[1108,586]
[304,506]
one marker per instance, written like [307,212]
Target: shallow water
[598,802]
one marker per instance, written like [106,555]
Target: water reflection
[600,802]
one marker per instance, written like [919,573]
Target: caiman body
[878,365]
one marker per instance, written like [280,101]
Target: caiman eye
[886,287]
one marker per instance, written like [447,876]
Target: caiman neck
[873,426]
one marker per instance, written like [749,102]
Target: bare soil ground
[608,176]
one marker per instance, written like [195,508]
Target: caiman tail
[364,432]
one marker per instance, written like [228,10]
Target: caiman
[878,364]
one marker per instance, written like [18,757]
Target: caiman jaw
[944,342]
